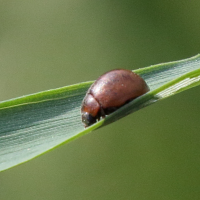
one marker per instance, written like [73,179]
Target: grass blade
[33,124]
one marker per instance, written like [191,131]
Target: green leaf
[33,124]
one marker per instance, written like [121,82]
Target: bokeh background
[151,154]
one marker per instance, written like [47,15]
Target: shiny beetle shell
[109,92]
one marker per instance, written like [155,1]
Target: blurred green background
[151,154]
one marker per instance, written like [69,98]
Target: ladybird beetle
[109,92]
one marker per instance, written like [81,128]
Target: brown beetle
[109,92]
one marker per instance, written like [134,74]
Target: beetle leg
[103,114]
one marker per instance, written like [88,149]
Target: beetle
[109,92]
